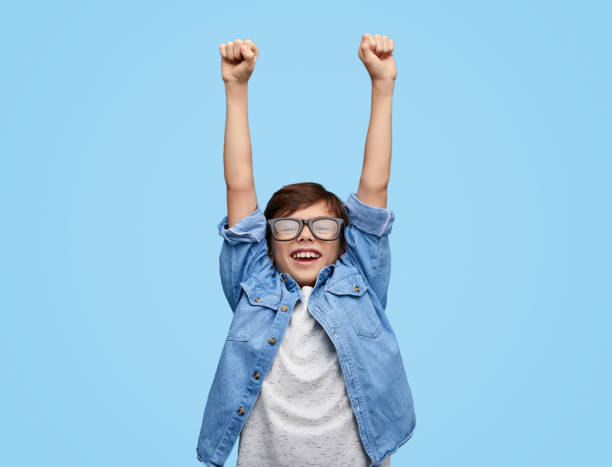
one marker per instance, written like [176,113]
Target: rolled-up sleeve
[367,242]
[244,252]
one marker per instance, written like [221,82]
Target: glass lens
[286,228]
[325,228]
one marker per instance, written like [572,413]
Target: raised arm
[237,63]
[376,54]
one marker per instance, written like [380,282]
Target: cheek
[334,250]
[278,253]
[272,251]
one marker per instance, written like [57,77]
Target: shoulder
[369,219]
[249,229]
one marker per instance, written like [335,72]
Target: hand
[376,54]
[238,61]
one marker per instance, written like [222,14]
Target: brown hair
[296,196]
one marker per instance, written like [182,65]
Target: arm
[244,249]
[375,52]
[237,64]
[367,242]
[367,236]
[244,252]
[377,155]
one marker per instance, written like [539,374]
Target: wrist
[383,83]
[236,91]
[235,85]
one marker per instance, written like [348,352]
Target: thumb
[367,46]
[247,53]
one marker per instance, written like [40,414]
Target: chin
[302,281]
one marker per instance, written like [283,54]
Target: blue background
[111,183]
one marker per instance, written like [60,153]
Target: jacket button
[356,289]
[241,411]
[284,308]
[256,375]
[272,341]
[257,299]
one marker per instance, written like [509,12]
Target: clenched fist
[376,54]
[238,60]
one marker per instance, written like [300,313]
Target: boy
[311,372]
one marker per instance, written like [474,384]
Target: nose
[306,234]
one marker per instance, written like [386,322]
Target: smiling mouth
[304,261]
[304,258]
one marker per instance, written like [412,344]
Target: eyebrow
[304,219]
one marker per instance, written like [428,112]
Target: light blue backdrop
[113,316]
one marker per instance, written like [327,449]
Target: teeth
[307,254]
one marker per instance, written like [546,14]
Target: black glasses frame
[307,222]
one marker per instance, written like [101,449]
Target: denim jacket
[348,300]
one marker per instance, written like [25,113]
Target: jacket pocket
[254,310]
[351,292]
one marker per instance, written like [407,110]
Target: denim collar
[339,277]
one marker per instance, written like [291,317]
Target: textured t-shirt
[303,415]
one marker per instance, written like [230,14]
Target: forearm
[377,155]
[237,158]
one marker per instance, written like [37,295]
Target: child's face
[305,272]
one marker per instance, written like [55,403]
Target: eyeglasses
[288,228]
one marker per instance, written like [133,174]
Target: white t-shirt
[303,415]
